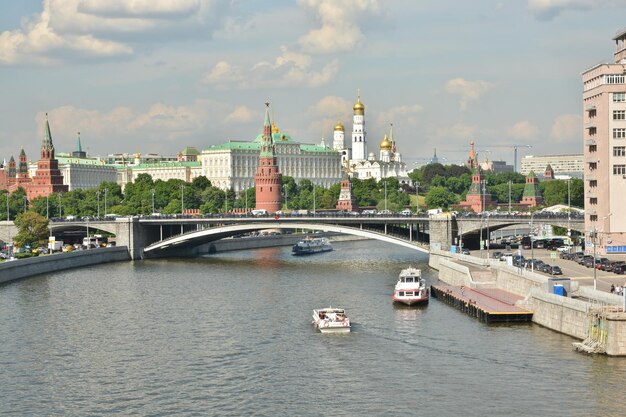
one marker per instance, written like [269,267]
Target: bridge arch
[203,236]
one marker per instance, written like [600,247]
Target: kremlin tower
[268,179]
[48,178]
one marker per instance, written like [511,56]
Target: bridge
[176,235]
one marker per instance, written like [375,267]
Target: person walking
[612,289]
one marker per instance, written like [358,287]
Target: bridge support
[442,230]
[128,233]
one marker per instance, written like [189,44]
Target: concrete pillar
[440,232]
[128,233]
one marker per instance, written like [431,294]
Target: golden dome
[359,108]
[385,145]
[275,129]
[339,126]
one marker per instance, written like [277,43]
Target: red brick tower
[478,199]
[346,201]
[531,196]
[48,178]
[22,179]
[268,180]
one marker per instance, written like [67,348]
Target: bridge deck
[487,304]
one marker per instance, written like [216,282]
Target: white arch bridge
[176,235]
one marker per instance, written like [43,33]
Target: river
[230,335]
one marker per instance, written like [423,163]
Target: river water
[231,335]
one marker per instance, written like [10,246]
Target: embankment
[22,268]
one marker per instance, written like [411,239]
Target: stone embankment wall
[22,268]
[563,314]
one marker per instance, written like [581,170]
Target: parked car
[465,251]
[545,268]
[555,270]
[620,269]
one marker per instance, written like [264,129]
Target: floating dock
[490,305]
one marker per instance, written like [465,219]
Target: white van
[259,212]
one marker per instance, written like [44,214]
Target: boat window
[409,279]
[401,293]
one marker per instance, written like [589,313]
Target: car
[465,251]
[555,270]
[563,249]
[496,255]
[620,269]
[406,212]
[617,266]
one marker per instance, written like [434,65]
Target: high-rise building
[604,143]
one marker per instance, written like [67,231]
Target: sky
[155,76]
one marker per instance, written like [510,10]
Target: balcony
[590,142]
[590,107]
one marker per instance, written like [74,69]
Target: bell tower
[268,179]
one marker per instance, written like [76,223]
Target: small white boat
[411,288]
[310,245]
[331,320]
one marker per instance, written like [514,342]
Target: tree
[32,229]
[440,197]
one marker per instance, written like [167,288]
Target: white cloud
[401,115]
[288,69]
[566,128]
[523,130]
[75,29]
[339,29]
[456,131]
[160,128]
[241,114]
[467,90]
[548,9]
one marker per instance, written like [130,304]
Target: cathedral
[363,165]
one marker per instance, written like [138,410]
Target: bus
[94,241]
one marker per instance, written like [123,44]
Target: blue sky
[158,75]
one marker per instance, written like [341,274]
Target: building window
[619,114]
[619,97]
[593,148]
[593,183]
[614,79]
[619,133]
[593,166]
[619,169]
[593,217]
[619,151]
[593,200]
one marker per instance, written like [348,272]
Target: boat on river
[411,288]
[331,320]
[311,245]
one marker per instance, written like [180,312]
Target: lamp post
[385,196]
[49,225]
[60,207]
[182,199]
[226,201]
[417,197]
[245,191]
[532,243]
[482,215]
[98,197]
[25,201]
[286,198]
[569,209]
[10,243]
[509,197]
[314,199]
[594,235]
[106,191]
[152,190]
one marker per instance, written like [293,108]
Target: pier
[491,305]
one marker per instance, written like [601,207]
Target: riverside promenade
[579,314]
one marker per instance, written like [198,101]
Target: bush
[24,255]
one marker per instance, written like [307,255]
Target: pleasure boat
[411,288]
[331,320]
[310,245]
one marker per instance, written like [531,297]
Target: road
[573,270]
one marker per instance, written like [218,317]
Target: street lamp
[532,243]
[569,209]
[106,191]
[314,199]
[509,197]
[152,201]
[385,197]
[25,201]
[286,200]
[417,197]
[182,199]
[594,234]
[60,207]
[226,200]
[482,214]
[98,197]
[10,243]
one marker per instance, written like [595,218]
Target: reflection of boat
[310,245]
[411,288]
[331,320]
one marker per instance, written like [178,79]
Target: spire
[47,136]
[78,147]
[267,142]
